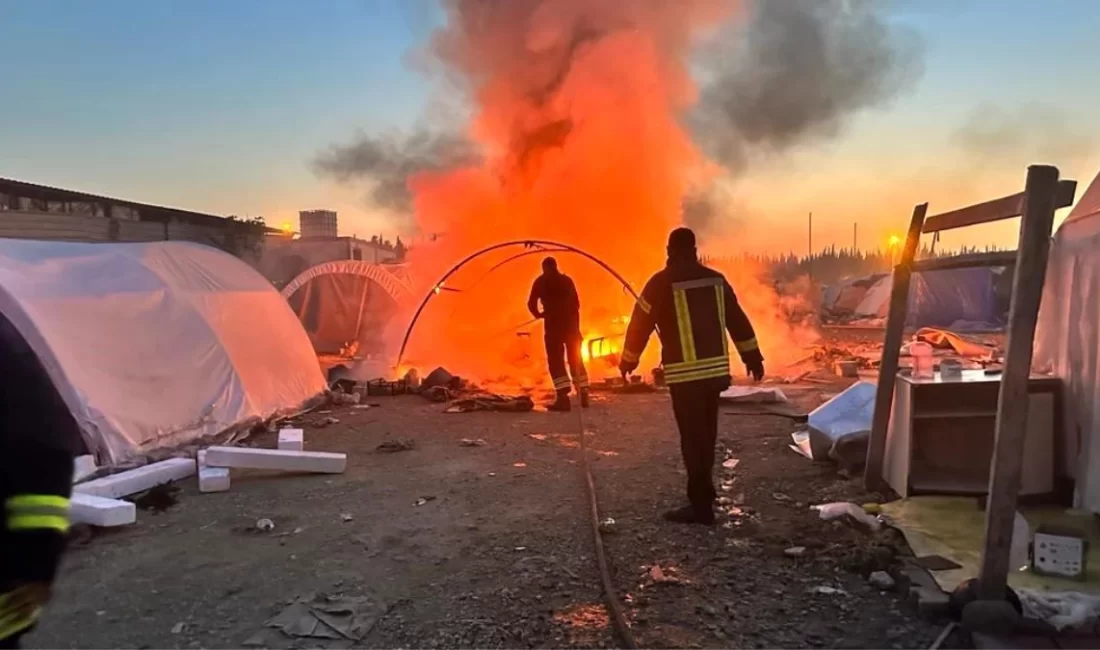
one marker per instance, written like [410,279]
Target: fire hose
[614,607]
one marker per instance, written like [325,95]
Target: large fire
[577,106]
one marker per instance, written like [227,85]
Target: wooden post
[1012,403]
[888,369]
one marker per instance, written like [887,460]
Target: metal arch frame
[396,287]
[526,243]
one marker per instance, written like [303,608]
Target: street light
[893,244]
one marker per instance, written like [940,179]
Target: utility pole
[855,237]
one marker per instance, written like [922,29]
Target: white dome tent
[1067,339]
[156,345]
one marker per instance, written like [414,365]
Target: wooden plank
[1003,208]
[888,368]
[1012,402]
[996,258]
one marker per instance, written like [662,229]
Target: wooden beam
[1012,403]
[891,351]
[997,258]
[1003,208]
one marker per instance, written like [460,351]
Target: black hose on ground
[615,608]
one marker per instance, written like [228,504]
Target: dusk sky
[219,106]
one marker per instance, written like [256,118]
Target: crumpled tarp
[945,340]
[491,402]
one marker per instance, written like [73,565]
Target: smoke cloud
[387,161]
[796,73]
[1022,136]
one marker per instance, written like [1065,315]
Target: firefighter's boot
[561,403]
[584,398]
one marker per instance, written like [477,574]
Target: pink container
[923,363]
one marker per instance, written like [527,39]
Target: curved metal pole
[518,242]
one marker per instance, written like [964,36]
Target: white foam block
[213,479]
[100,511]
[138,480]
[281,459]
[292,439]
[83,466]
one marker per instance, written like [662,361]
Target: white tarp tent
[154,345]
[1067,340]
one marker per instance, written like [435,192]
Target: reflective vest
[693,308]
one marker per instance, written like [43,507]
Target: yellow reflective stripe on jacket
[21,501]
[644,305]
[629,356]
[682,366]
[12,621]
[720,294]
[37,511]
[683,324]
[60,523]
[697,375]
[747,345]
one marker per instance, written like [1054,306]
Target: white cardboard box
[277,459]
[138,480]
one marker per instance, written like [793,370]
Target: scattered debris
[825,590]
[520,464]
[345,399]
[945,340]
[83,467]
[339,618]
[178,628]
[265,525]
[537,436]
[848,413]
[660,577]
[730,463]
[472,442]
[492,402]
[795,551]
[849,511]
[363,407]
[436,394]
[607,526]
[422,500]
[881,580]
[394,446]
[345,517]
[438,377]
[158,498]
[779,496]
[321,423]
[752,395]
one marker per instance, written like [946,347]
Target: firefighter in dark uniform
[38,440]
[692,308]
[561,312]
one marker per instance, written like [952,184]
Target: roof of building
[147,211]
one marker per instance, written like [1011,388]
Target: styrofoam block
[292,439]
[83,466]
[100,511]
[138,480]
[213,479]
[281,459]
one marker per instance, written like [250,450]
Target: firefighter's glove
[627,367]
[754,365]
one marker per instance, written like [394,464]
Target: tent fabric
[1067,339]
[938,298]
[155,345]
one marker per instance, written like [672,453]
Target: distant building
[31,211]
[318,224]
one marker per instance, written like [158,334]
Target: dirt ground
[498,553]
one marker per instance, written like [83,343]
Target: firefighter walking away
[38,440]
[692,307]
[561,314]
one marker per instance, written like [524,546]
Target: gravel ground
[498,553]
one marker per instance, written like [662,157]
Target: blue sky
[219,105]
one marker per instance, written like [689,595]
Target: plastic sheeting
[337,309]
[1067,339]
[155,345]
[939,298]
